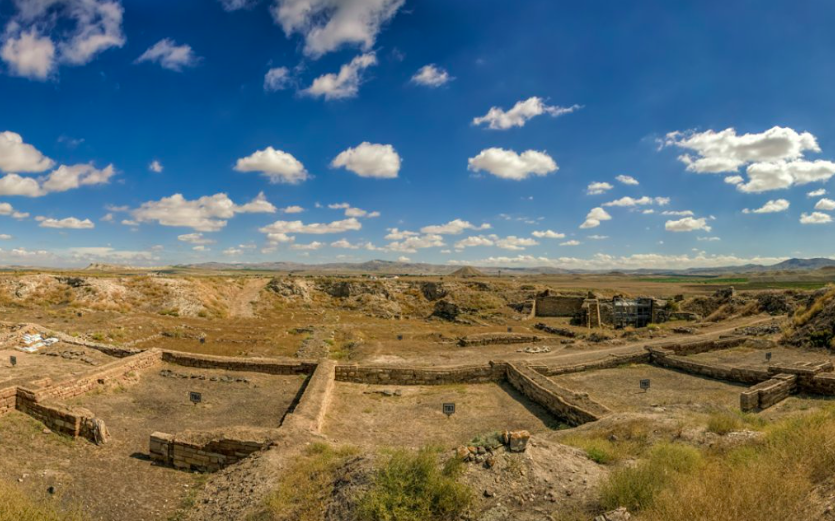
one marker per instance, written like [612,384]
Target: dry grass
[17,506]
[726,421]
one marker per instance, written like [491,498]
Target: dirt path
[241,304]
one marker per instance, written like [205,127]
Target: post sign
[400,337]
[768,356]
[195,397]
[449,409]
[510,330]
[645,384]
[13,360]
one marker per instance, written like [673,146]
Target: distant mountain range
[381,267]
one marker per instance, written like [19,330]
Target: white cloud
[200,247]
[278,228]
[454,227]
[346,83]
[815,218]
[277,78]
[594,218]
[677,213]
[370,160]
[276,165]
[195,238]
[817,193]
[403,258]
[19,157]
[232,251]
[70,177]
[476,240]
[602,261]
[6,209]
[82,29]
[398,235]
[688,224]
[825,205]
[515,243]
[708,239]
[548,234]
[129,222]
[29,55]
[431,76]
[350,211]
[329,24]
[643,201]
[170,56]
[499,119]
[106,252]
[597,237]
[598,188]
[206,214]
[774,206]
[5,237]
[13,184]
[774,157]
[234,5]
[315,245]
[414,243]
[507,164]
[292,209]
[155,166]
[627,180]
[571,243]
[67,223]
[344,243]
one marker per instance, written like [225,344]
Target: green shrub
[412,487]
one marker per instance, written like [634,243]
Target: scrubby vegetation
[17,506]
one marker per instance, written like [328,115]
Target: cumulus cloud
[548,234]
[603,261]
[777,205]
[825,205]
[170,56]
[82,29]
[209,213]
[571,243]
[499,119]
[688,224]
[398,235]
[327,25]
[278,166]
[370,160]
[627,180]
[109,253]
[597,188]
[815,218]
[454,227]
[351,211]
[7,210]
[280,231]
[643,201]
[816,193]
[677,213]
[292,209]
[597,237]
[195,238]
[512,242]
[277,78]
[708,239]
[413,243]
[431,76]
[315,245]
[774,158]
[507,164]
[19,157]
[155,167]
[595,217]
[344,84]
[60,180]
[66,223]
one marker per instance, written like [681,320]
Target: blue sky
[440,131]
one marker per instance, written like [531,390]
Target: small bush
[16,506]
[637,487]
[411,487]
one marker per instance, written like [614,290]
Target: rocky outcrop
[446,310]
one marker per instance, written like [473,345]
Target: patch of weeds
[724,422]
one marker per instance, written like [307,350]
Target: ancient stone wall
[703,346]
[484,339]
[256,365]
[609,362]
[767,393]
[309,414]
[575,408]
[399,375]
[558,306]
[206,452]
[748,375]
[8,398]
[58,418]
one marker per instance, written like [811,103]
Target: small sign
[510,330]
[13,360]
[768,356]
[645,384]
[449,409]
[195,397]
[400,337]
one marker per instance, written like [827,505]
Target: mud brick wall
[823,383]
[749,375]
[207,456]
[309,414]
[558,306]
[255,365]
[107,373]
[576,409]
[400,375]
[606,363]
[8,399]
[765,394]
[485,339]
[70,422]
